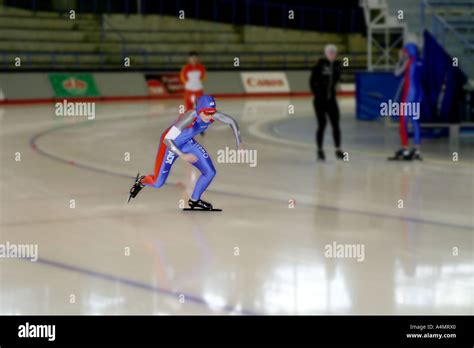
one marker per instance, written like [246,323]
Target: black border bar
[287,330]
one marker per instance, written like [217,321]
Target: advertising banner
[73,85]
[164,84]
[264,82]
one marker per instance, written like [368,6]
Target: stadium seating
[90,41]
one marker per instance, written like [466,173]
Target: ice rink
[258,256]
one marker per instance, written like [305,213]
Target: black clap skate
[321,156]
[339,154]
[401,155]
[137,187]
[200,205]
[415,154]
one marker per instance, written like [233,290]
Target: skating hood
[412,50]
[206,102]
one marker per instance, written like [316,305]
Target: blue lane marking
[139,285]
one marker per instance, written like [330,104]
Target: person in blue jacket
[409,66]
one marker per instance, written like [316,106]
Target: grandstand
[51,40]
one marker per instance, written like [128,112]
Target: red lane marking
[165,97]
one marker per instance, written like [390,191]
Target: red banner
[164,84]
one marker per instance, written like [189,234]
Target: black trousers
[327,109]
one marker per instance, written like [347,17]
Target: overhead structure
[385,35]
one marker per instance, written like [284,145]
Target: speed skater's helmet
[206,103]
[411,49]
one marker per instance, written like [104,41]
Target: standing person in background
[192,75]
[409,66]
[324,77]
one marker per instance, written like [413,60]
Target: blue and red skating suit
[179,139]
[411,92]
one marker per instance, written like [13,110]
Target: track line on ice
[33,144]
[140,285]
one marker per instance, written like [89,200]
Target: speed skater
[178,141]
[412,92]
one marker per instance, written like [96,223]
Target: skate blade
[136,179]
[199,209]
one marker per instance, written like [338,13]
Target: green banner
[73,85]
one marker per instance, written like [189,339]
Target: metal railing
[452,40]
[143,60]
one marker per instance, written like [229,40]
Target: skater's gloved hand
[189,157]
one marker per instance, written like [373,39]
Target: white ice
[257,256]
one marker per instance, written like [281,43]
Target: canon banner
[264,82]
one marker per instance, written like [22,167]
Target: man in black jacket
[324,77]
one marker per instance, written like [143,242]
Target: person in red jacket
[192,75]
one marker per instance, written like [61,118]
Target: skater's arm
[182,75]
[219,116]
[314,79]
[204,74]
[170,141]
[176,130]
[337,72]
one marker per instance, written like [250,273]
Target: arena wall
[20,88]
[25,86]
